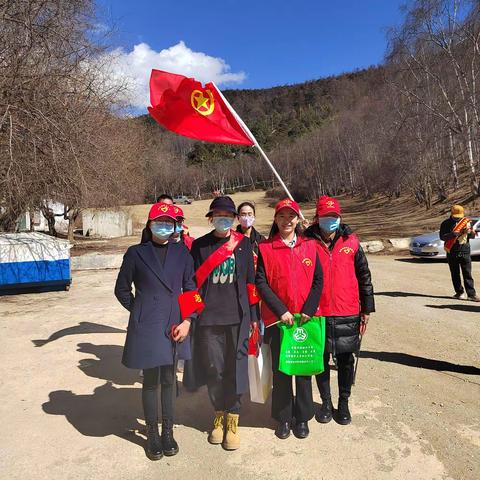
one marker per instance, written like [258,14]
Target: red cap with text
[162,210]
[327,205]
[287,203]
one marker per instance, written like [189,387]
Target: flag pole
[254,140]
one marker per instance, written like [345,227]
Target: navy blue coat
[154,308]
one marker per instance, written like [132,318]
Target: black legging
[345,362]
[152,377]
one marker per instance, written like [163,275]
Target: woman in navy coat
[161,271]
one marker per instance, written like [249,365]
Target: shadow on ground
[410,294]
[112,410]
[82,328]
[475,308]
[420,362]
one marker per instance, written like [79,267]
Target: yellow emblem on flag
[204,105]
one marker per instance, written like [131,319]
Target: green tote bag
[302,346]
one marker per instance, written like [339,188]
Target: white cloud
[135,67]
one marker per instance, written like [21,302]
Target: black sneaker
[153,449]
[169,445]
[342,415]
[325,414]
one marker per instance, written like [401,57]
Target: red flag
[182,105]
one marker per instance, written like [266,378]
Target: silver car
[430,245]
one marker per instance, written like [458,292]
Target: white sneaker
[460,296]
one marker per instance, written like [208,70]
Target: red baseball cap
[162,210]
[178,212]
[327,205]
[287,203]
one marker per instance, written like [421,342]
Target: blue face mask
[222,224]
[179,228]
[329,224]
[162,230]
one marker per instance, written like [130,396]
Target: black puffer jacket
[343,332]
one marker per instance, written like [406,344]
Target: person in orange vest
[289,280]
[347,302]
[456,231]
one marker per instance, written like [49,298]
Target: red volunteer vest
[289,273]
[340,295]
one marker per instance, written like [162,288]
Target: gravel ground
[70,410]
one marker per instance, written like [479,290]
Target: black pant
[345,364]
[463,261]
[218,347]
[285,406]
[151,379]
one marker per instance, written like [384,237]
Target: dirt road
[70,410]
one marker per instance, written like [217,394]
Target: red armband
[190,302]
[253,297]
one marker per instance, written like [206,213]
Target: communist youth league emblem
[164,208]
[330,204]
[203,101]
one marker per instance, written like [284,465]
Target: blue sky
[251,44]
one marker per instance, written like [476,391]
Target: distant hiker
[347,302]
[224,273]
[456,231]
[161,310]
[289,281]
[181,230]
[246,218]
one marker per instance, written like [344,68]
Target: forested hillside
[410,126]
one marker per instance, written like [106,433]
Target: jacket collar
[277,241]
[149,257]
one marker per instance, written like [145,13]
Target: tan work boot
[216,435]
[232,438]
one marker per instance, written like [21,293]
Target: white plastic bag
[260,376]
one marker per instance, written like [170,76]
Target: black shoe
[283,430]
[300,430]
[325,414]
[169,445]
[154,449]
[342,415]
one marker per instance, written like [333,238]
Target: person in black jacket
[459,255]
[246,218]
[161,272]
[225,275]
[347,302]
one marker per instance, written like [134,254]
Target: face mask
[179,228]
[222,224]
[246,222]
[329,224]
[162,230]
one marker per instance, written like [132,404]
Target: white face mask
[246,222]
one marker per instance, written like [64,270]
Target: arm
[123,286]
[254,313]
[311,304]
[267,294]
[364,279]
